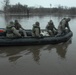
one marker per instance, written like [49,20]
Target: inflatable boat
[29,40]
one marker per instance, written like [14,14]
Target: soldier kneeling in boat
[11,31]
[62,26]
[36,30]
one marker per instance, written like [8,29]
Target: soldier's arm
[68,27]
[54,27]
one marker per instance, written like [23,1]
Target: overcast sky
[44,3]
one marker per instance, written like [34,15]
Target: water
[42,59]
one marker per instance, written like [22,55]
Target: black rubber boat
[29,40]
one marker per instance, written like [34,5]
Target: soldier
[67,24]
[11,31]
[63,25]
[51,29]
[20,28]
[36,29]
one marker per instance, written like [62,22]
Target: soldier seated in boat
[20,28]
[51,29]
[63,25]
[36,30]
[11,31]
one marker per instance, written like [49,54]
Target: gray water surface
[57,59]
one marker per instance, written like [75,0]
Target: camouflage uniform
[11,31]
[62,26]
[36,29]
[19,28]
[67,24]
[51,28]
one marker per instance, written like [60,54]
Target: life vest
[50,27]
[9,29]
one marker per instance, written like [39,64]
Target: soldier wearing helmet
[20,28]
[63,25]
[11,31]
[36,29]
[51,29]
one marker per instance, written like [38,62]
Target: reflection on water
[14,53]
[62,49]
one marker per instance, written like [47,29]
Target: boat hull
[35,40]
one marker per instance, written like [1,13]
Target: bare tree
[6,5]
